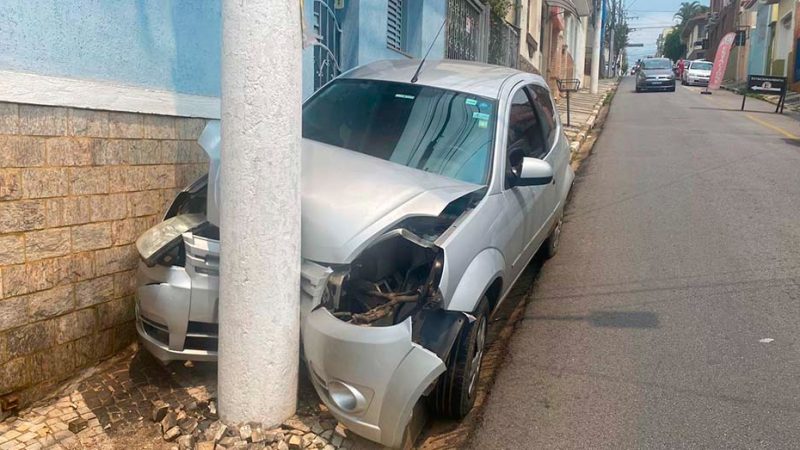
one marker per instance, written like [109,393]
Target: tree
[687,11]
[674,48]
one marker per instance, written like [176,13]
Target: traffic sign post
[568,85]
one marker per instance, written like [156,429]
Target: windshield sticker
[480,116]
[483,106]
[471,102]
[483,123]
[405,96]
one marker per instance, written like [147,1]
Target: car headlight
[158,240]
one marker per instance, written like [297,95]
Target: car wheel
[454,395]
[672,89]
[638,89]
[551,244]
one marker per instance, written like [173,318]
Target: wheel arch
[483,276]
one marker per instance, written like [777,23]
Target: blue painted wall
[759,40]
[174,45]
[364,24]
[170,45]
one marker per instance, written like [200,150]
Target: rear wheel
[454,395]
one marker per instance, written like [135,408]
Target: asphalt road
[680,258]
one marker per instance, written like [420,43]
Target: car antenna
[419,68]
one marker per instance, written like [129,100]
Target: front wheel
[551,244]
[454,395]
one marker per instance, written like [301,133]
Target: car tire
[672,89]
[454,395]
[552,241]
[638,89]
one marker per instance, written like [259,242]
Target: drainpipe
[260,210]
[598,34]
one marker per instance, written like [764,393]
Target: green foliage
[499,7]
[688,10]
[674,48]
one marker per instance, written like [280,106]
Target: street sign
[766,84]
[635,45]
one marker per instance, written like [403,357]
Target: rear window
[435,130]
[701,66]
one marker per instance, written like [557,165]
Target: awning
[579,8]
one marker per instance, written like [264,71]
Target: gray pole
[259,329]
[598,33]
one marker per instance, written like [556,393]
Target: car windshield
[701,66]
[657,64]
[445,132]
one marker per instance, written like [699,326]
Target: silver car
[423,201]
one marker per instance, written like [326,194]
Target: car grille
[202,336]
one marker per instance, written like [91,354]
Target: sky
[645,14]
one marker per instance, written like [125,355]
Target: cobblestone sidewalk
[110,407]
[584,108]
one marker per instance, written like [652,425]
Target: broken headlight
[164,237]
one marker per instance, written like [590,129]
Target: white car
[424,196]
[698,73]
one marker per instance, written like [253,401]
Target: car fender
[486,267]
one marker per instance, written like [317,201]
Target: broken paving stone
[219,431]
[327,435]
[169,421]
[172,433]
[296,424]
[245,431]
[318,442]
[77,425]
[316,428]
[185,443]
[329,447]
[282,445]
[187,425]
[160,409]
[205,445]
[228,441]
[337,440]
[212,410]
[191,406]
[340,430]
[295,442]
[256,433]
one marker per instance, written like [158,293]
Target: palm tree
[688,10]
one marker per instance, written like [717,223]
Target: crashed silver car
[423,199]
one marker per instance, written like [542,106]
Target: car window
[657,64]
[524,128]
[546,110]
[701,66]
[435,130]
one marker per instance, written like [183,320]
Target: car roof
[470,77]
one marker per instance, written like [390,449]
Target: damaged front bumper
[369,377]
[176,306]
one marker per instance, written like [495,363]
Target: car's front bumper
[176,307]
[382,371]
[655,84]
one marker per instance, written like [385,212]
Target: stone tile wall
[77,187]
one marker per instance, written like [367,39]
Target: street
[669,318]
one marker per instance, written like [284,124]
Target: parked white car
[698,73]
[422,202]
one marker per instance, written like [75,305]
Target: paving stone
[185,443]
[77,425]
[295,442]
[172,433]
[169,421]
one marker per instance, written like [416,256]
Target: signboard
[768,85]
[721,60]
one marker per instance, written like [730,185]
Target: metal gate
[327,49]
[503,42]
[467,30]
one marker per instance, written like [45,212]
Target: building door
[467,30]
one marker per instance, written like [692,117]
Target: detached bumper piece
[176,307]
[369,377]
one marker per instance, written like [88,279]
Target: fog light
[346,397]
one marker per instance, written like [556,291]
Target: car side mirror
[534,172]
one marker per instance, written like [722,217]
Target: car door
[558,155]
[523,138]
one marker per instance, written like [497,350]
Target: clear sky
[651,16]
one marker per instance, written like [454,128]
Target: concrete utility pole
[612,25]
[598,34]
[260,212]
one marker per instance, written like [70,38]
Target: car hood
[350,199]
[656,72]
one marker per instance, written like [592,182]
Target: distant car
[698,73]
[420,208]
[655,74]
